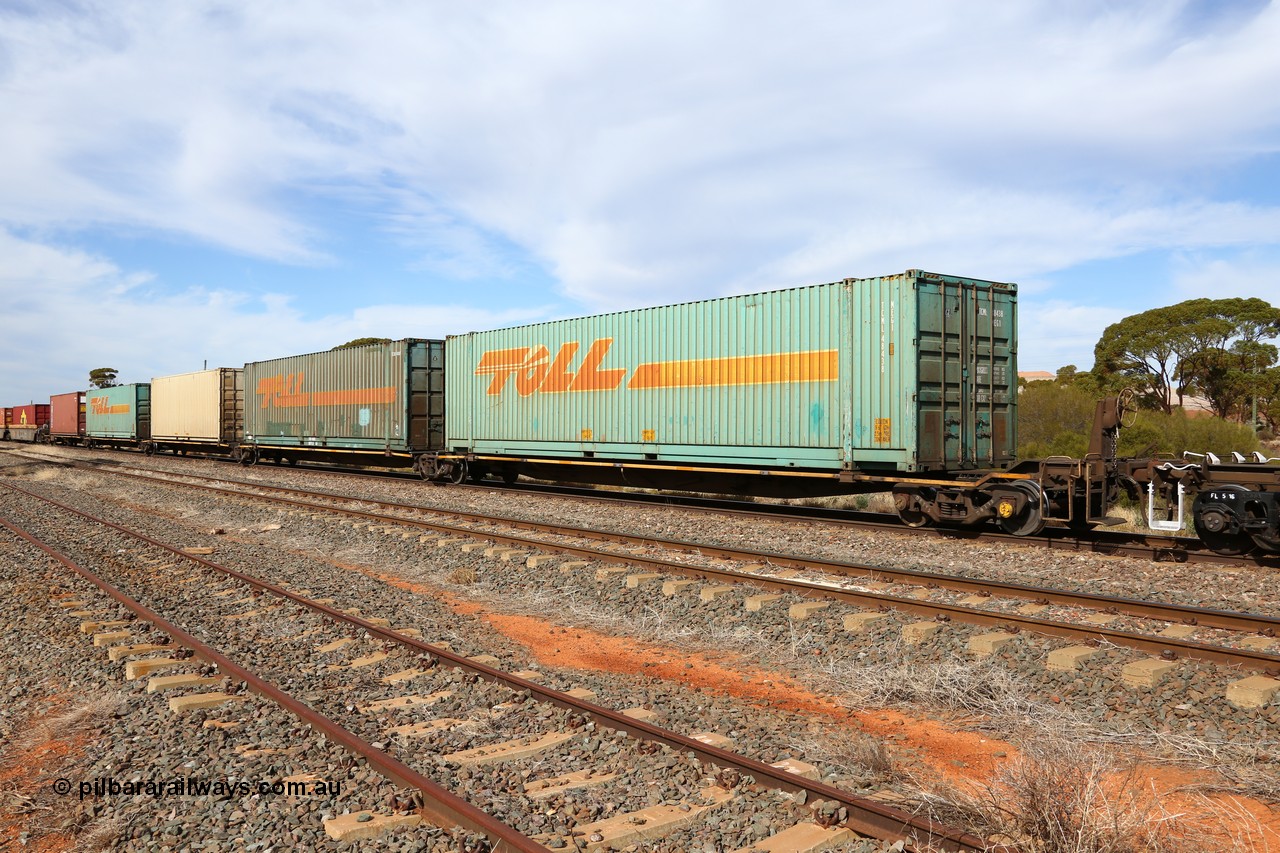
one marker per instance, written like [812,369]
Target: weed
[1058,796]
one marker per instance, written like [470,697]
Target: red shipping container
[24,422]
[31,415]
[67,417]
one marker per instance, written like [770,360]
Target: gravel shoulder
[904,714]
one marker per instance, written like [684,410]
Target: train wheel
[248,456]
[1217,527]
[908,502]
[457,472]
[1025,522]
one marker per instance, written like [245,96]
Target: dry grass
[852,754]
[1061,795]
[68,723]
[1244,767]
[980,687]
[100,835]
[52,743]
[465,576]
[873,502]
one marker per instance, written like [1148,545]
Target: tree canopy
[1213,348]
[103,377]
[363,342]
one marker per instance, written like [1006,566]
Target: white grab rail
[1153,522]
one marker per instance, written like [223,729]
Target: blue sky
[233,181]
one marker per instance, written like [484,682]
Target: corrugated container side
[67,414]
[379,398]
[745,378]
[122,412]
[834,376]
[30,415]
[205,406]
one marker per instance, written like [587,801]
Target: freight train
[904,384]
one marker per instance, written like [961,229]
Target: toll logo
[103,406]
[288,391]
[533,369]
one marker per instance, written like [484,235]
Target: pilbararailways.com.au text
[187,786]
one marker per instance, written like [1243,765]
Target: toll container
[204,407]
[67,415]
[26,423]
[118,415]
[901,373]
[383,398]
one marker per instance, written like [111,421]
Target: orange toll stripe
[810,366]
[501,359]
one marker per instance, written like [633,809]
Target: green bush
[1055,420]
[1174,433]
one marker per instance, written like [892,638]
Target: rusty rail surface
[865,816]
[440,806]
[1185,614]
[1149,546]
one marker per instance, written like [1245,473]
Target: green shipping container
[902,373]
[382,398]
[122,413]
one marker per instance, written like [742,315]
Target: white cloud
[67,312]
[640,153]
[542,121]
[1243,275]
[1055,333]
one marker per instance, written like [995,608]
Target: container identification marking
[535,370]
[883,431]
[102,406]
[284,391]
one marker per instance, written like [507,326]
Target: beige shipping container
[205,407]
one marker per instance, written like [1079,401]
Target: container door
[426,395]
[995,387]
[966,366]
[231,384]
[143,421]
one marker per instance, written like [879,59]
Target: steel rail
[1149,546]
[440,806]
[1185,614]
[1109,543]
[865,816]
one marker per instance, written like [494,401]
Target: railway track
[1245,640]
[215,619]
[1100,541]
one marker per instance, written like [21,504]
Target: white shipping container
[206,406]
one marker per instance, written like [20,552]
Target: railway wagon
[26,423]
[201,411]
[119,416]
[380,404]
[838,387]
[67,418]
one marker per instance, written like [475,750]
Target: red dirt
[960,756]
[26,774]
